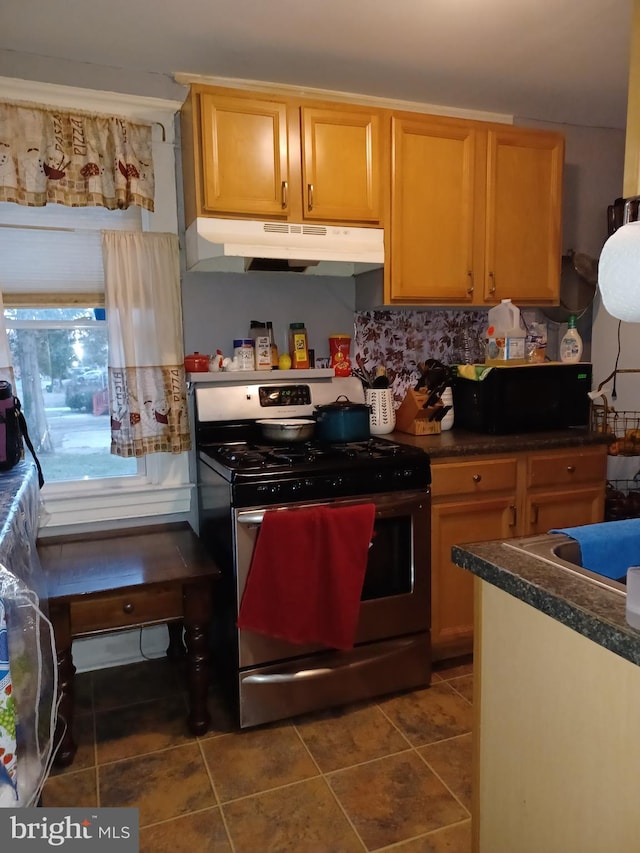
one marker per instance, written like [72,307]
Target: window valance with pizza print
[78,159]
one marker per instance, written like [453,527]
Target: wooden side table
[115,581]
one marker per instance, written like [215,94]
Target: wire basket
[622,426]
[622,499]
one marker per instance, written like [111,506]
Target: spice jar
[298,346]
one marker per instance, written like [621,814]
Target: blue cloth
[608,548]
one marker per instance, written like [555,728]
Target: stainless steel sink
[564,553]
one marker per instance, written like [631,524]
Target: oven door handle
[251,517]
[383,510]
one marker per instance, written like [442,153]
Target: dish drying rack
[622,497]
[623,426]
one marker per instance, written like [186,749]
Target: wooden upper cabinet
[475,213]
[434,233]
[524,208]
[244,156]
[283,158]
[341,157]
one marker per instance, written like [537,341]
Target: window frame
[165,491]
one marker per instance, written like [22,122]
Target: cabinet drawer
[104,612]
[565,469]
[477,477]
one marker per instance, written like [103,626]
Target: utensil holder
[382,417]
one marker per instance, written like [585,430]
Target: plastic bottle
[261,344]
[571,343]
[505,335]
[274,346]
[298,346]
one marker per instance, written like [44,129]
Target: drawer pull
[476,478]
[571,468]
[128,607]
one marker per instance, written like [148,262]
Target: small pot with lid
[343,421]
[196,363]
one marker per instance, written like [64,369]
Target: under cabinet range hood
[239,245]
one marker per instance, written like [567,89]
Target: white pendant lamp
[619,273]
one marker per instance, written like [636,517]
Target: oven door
[396,590]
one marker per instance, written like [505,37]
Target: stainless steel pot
[287,429]
[343,421]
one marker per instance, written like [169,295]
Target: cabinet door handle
[128,607]
[470,288]
[534,513]
[476,478]
[571,468]
[492,283]
[309,196]
[284,192]
[514,516]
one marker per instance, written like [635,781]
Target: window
[52,279]
[59,357]
[51,258]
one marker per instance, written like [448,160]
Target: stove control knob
[337,482]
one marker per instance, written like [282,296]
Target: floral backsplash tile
[400,340]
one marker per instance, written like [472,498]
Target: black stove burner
[269,474]
[244,455]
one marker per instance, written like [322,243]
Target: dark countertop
[459,442]
[594,612]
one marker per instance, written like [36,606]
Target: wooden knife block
[413,418]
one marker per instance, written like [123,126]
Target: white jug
[505,335]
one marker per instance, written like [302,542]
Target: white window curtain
[77,159]
[147,383]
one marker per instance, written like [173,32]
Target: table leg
[60,619]
[197,619]
[175,649]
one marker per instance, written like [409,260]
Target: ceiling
[551,60]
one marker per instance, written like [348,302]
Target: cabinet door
[451,586]
[434,219]
[523,226]
[341,165]
[245,157]
[571,508]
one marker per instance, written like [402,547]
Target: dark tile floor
[392,773]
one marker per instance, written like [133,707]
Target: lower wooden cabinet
[499,497]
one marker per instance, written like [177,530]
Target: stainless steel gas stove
[240,477]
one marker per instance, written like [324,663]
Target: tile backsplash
[399,340]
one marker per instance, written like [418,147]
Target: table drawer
[476,477]
[566,469]
[122,609]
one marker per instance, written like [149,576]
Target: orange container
[339,350]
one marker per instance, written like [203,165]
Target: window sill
[165,490]
[79,508]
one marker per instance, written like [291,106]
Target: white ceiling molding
[341,97]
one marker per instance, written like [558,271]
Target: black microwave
[524,398]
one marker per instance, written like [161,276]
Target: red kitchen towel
[306,575]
